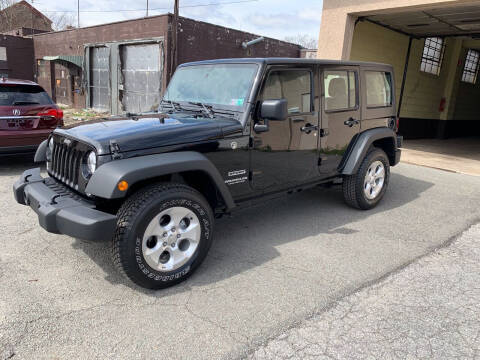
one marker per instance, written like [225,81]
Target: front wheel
[366,188]
[163,234]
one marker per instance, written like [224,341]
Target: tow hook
[52,200]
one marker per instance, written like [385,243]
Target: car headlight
[89,164]
[50,149]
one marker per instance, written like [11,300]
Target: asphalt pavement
[270,268]
[429,310]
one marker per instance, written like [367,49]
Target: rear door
[341,114]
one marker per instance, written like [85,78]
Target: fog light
[122,185]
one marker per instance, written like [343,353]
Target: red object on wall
[441,107]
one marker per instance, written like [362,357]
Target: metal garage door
[100,78]
[141,77]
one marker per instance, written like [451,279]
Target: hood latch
[115,150]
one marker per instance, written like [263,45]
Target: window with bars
[470,70]
[432,57]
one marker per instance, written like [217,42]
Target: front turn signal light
[122,185]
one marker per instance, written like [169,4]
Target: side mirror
[274,109]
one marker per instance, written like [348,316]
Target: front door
[286,154]
[341,114]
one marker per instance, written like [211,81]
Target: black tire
[133,218]
[353,185]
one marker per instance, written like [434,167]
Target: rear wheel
[163,234]
[366,188]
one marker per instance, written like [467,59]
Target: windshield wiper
[206,108]
[175,105]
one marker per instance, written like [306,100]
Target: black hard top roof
[281,61]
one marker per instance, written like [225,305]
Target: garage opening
[435,52]
[124,76]
[99,87]
[141,82]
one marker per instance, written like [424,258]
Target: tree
[62,20]
[303,40]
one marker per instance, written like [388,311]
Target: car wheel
[163,234]
[366,188]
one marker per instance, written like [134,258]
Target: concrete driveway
[460,155]
[270,268]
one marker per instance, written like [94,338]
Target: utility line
[155,9]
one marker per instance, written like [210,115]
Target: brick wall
[203,41]
[71,42]
[23,14]
[19,52]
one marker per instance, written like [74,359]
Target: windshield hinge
[115,150]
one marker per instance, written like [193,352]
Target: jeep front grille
[66,162]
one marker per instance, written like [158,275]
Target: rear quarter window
[17,95]
[379,88]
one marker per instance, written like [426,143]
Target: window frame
[477,67]
[306,69]
[391,90]
[357,93]
[425,59]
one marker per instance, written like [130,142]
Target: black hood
[149,131]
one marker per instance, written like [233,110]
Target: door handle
[298,119]
[350,122]
[308,128]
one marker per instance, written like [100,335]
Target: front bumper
[60,210]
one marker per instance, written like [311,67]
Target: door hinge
[324,132]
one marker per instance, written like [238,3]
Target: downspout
[405,69]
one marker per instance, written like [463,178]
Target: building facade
[23,19]
[16,57]
[125,66]
[434,48]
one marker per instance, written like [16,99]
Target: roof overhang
[462,19]
[74,59]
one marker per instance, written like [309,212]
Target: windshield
[217,84]
[11,95]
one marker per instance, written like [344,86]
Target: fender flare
[105,179]
[41,153]
[360,147]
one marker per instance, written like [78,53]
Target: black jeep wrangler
[226,134]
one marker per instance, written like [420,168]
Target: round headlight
[91,162]
[49,149]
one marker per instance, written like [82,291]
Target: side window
[379,88]
[340,90]
[293,85]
